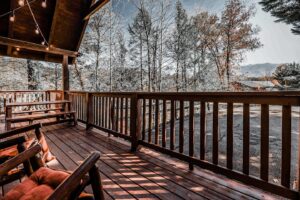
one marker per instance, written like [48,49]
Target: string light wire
[18,8]
[27,3]
[37,25]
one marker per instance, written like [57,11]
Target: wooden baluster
[172,125]
[264,144]
[215,147]
[126,116]
[82,104]
[156,121]
[78,106]
[229,135]
[8,115]
[97,110]
[246,138]
[112,114]
[117,114]
[202,130]
[286,146]
[164,124]
[105,112]
[144,120]
[191,133]
[121,117]
[150,122]
[102,110]
[181,126]
[108,123]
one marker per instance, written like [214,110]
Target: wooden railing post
[135,121]
[89,110]
[47,93]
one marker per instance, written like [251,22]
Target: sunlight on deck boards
[142,175]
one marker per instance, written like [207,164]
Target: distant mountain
[258,70]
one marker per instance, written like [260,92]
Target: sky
[279,44]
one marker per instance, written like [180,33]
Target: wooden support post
[90,110]
[298,181]
[65,76]
[47,93]
[8,114]
[135,121]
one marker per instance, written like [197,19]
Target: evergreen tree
[287,11]
[288,75]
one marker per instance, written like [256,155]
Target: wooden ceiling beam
[35,47]
[53,25]
[10,27]
[95,7]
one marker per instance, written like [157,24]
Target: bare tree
[238,35]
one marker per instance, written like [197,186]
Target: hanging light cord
[33,17]
[37,25]
[18,8]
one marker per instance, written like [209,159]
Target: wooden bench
[62,113]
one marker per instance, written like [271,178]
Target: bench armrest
[70,186]
[20,130]
[12,142]
[19,159]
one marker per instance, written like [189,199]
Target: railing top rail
[263,93]
[28,91]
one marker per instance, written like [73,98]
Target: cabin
[151,145]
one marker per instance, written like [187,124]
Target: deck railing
[201,129]
[27,96]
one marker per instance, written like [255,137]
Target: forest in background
[162,48]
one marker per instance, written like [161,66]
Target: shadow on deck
[145,174]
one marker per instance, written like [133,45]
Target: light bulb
[44,4]
[18,49]
[47,48]
[21,2]
[43,43]
[37,31]
[12,18]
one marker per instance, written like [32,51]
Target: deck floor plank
[137,186]
[145,174]
[137,167]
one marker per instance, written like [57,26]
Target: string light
[12,17]
[37,30]
[21,2]
[18,49]
[44,3]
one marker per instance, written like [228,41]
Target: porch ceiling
[61,22]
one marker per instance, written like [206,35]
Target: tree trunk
[30,76]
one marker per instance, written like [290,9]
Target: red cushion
[38,186]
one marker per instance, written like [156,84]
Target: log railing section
[166,122]
[28,96]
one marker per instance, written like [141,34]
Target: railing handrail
[28,91]
[216,93]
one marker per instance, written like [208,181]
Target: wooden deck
[142,175]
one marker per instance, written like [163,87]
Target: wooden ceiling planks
[62,24]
